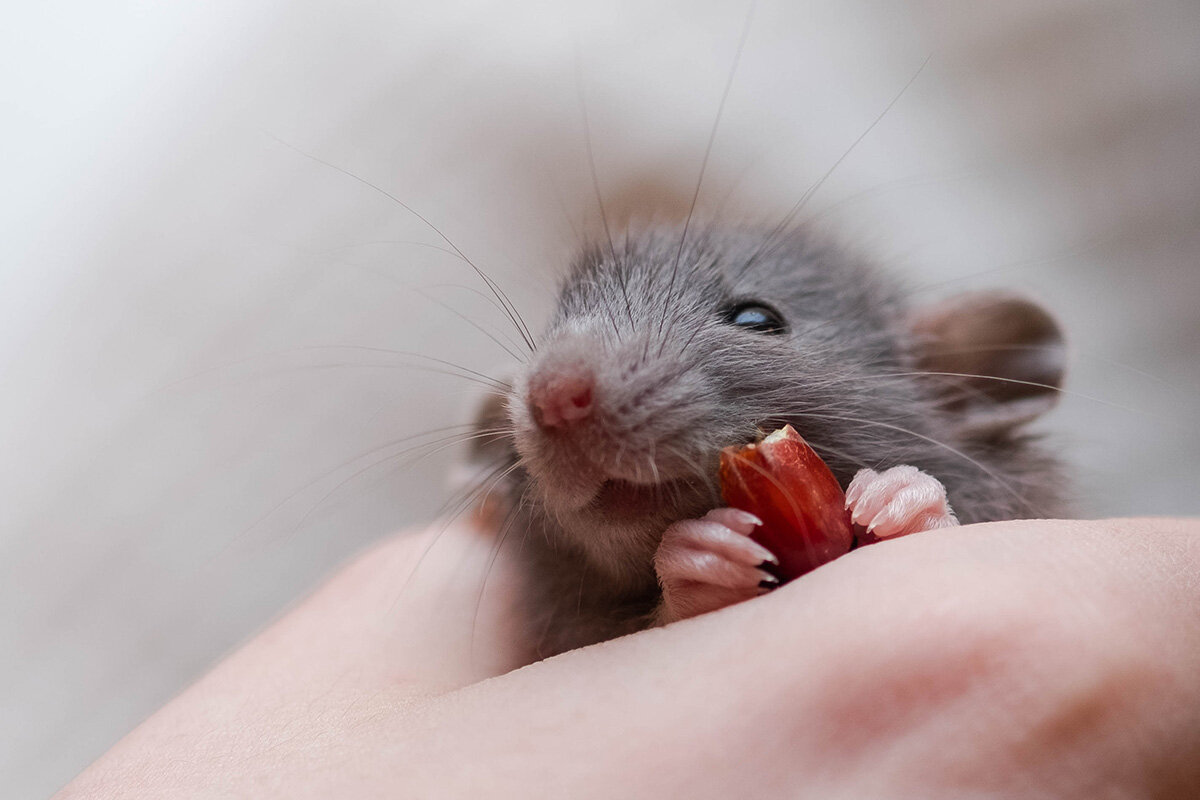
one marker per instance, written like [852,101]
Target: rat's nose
[562,398]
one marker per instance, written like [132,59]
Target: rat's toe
[899,501]
[680,565]
[713,534]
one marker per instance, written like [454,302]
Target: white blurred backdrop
[194,309]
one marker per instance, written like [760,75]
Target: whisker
[494,382]
[998,379]
[653,464]
[822,448]
[581,92]
[718,210]
[469,494]
[582,582]
[900,429]
[1081,248]
[496,386]
[314,481]
[520,359]
[405,242]
[691,463]
[509,308]
[456,312]
[695,332]
[460,501]
[812,190]
[712,136]
[1076,354]
[587,138]
[912,182]
[442,445]
[379,273]
[505,528]
[473,376]
[483,295]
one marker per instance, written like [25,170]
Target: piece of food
[783,482]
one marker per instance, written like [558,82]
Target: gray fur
[676,383]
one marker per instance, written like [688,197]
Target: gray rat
[603,453]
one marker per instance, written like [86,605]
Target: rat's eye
[756,317]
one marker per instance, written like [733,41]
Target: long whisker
[521,359]
[691,463]
[900,429]
[499,384]
[509,308]
[812,190]
[471,375]
[452,309]
[1073,251]
[442,445]
[1034,347]
[822,448]
[581,92]
[459,502]
[490,299]
[505,528]
[712,136]
[309,484]
[718,209]
[393,279]
[891,186]
[405,242]
[998,379]
[468,495]
[587,138]
[494,386]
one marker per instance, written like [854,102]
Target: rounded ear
[996,359]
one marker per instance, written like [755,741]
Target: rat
[602,454]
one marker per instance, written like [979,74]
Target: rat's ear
[996,359]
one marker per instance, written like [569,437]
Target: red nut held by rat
[783,482]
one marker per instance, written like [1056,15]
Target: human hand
[1019,659]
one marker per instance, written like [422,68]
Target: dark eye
[756,317]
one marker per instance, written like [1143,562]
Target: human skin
[1016,659]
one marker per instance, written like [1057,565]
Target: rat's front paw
[709,563]
[898,501]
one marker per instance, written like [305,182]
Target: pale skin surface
[1023,659]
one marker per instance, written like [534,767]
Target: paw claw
[705,564]
[735,519]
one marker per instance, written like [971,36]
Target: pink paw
[709,563]
[898,501]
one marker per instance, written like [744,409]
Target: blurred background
[206,402]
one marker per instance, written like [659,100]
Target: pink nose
[562,399]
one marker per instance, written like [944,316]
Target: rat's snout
[562,393]
[591,413]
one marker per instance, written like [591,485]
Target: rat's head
[657,357]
